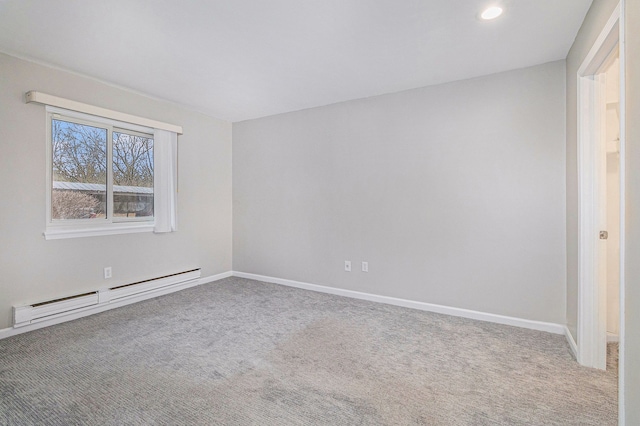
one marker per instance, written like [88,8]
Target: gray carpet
[240,352]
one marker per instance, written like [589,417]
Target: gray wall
[32,269]
[454,194]
[593,24]
[632,265]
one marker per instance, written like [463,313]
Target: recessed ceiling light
[491,13]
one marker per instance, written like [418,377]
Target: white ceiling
[243,59]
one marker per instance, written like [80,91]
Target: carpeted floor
[241,352]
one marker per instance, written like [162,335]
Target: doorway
[600,143]
[611,141]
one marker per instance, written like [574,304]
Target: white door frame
[592,333]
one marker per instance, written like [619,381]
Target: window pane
[132,175]
[79,171]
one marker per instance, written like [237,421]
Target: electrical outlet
[107,272]
[347,265]
[365,266]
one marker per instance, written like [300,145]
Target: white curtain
[165,180]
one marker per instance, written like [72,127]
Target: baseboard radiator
[42,311]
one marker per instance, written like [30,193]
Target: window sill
[57,233]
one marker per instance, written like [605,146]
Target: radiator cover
[42,311]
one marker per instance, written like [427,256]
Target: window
[79,164]
[132,175]
[108,172]
[101,175]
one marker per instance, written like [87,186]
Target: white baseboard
[572,343]
[612,338]
[90,310]
[440,309]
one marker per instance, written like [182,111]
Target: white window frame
[73,228]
